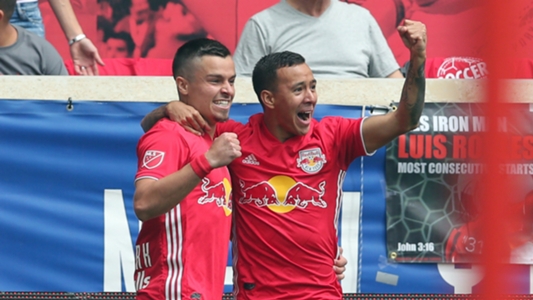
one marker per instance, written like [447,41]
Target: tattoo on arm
[414,92]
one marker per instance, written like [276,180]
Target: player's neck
[8,35]
[313,8]
[275,128]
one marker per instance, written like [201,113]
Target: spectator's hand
[340,265]
[85,57]
[187,116]
[413,34]
[224,150]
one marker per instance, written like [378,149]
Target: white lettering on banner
[531,279]
[462,279]
[350,239]
[228,278]
[423,124]
[450,124]
[118,246]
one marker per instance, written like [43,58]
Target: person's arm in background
[251,47]
[382,129]
[83,52]
[396,74]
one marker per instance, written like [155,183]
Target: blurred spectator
[140,24]
[119,45]
[22,52]
[104,28]
[338,39]
[154,25]
[173,28]
[83,52]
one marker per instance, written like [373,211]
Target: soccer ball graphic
[462,68]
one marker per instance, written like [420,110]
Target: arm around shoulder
[152,117]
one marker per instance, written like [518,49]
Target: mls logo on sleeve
[153,158]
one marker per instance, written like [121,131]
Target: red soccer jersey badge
[311,161]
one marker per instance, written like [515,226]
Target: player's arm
[185,115]
[382,129]
[156,197]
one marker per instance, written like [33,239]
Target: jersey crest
[311,160]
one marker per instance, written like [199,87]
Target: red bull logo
[311,160]
[282,194]
[262,194]
[218,193]
[301,195]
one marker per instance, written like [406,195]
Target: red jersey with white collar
[182,254]
[287,198]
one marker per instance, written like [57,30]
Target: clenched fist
[414,37]
[224,150]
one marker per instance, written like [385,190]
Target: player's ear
[268,98]
[183,85]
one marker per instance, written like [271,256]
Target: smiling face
[210,88]
[293,102]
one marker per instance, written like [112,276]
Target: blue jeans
[28,16]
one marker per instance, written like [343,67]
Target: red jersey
[287,198]
[182,254]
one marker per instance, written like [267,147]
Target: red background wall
[455,27]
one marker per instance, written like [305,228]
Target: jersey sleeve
[347,132]
[160,153]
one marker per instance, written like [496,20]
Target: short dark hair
[126,37]
[8,7]
[196,49]
[265,76]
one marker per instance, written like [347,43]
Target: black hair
[265,77]
[8,7]
[126,37]
[196,49]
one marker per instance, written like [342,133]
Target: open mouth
[304,116]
